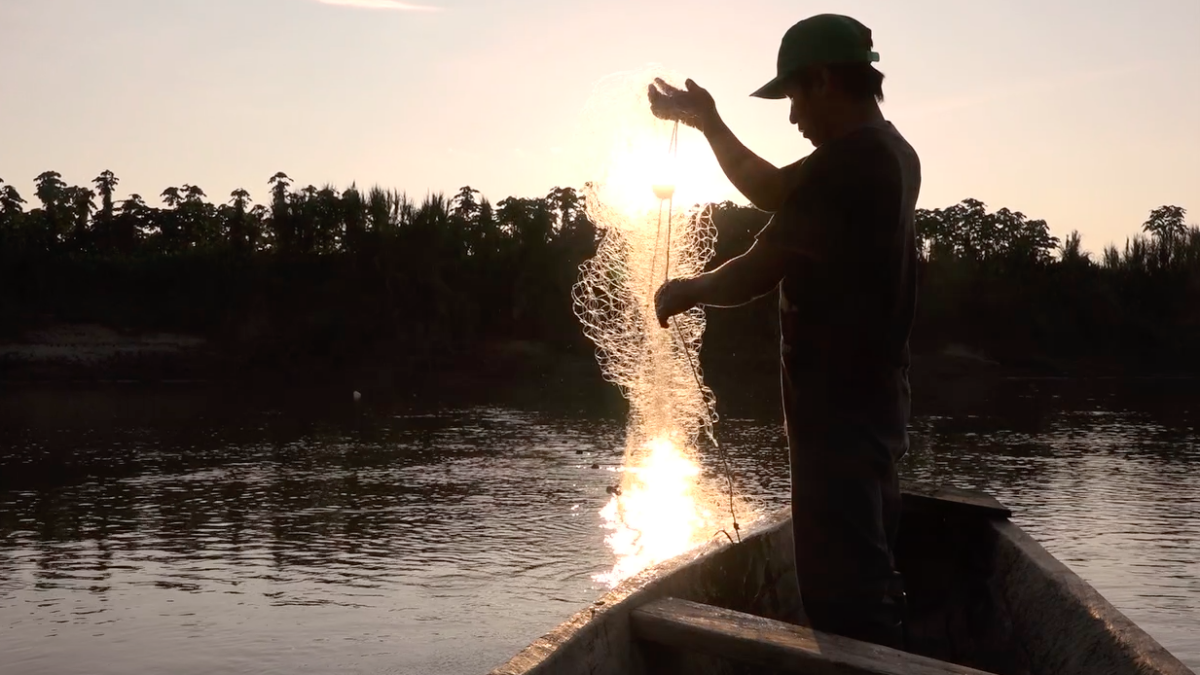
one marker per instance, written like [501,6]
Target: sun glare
[658,513]
[643,172]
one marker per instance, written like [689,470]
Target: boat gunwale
[1123,633]
[629,594]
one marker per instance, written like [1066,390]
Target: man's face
[807,106]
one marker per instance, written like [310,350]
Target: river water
[179,530]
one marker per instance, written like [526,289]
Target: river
[186,530]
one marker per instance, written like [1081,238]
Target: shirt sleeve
[813,215]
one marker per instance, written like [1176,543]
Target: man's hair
[860,81]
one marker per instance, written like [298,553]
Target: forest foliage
[338,275]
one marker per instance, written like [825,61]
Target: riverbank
[81,353]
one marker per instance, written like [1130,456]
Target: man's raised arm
[764,184]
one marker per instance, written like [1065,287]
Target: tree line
[322,275]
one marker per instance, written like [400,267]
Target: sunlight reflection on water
[443,543]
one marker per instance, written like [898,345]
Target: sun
[643,170]
[632,161]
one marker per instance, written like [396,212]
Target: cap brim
[772,90]
[775,88]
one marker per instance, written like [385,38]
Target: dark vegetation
[318,280]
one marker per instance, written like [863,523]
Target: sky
[1084,114]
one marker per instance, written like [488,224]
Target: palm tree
[83,202]
[379,210]
[50,189]
[52,192]
[566,202]
[1072,250]
[281,225]
[353,214]
[198,221]
[258,235]
[170,221]
[106,183]
[328,222]
[133,220]
[463,205]
[236,225]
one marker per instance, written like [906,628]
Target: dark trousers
[846,515]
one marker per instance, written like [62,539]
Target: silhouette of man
[840,248]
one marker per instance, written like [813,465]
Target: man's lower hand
[674,297]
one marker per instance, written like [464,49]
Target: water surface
[190,531]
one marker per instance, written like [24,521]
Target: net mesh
[647,194]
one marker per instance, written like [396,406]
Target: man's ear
[823,80]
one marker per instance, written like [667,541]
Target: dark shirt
[847,300]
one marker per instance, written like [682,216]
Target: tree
[82,202]
[133,220]
[198,222]
[10,200]
[566,202]
[282,228]
[172,197]
[353,213]
[50,189]
[237,222]
[1020,240]
[961,231]
[425,276]
[1166,223]
[1072,250]
[169,222]
[464,205]
[11,218]
[106,183]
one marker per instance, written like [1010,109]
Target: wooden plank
[952,500]
[745,638]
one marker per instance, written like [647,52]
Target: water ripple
[443,541]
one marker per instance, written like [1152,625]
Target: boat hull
[982,594]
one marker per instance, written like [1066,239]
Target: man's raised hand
[693,106]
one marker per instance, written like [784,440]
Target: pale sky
[1086,114]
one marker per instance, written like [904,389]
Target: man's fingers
[666,88]
[665,305]
[668,102]
[662,106]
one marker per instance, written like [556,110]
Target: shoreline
[90,353]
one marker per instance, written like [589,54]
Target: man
[841,249]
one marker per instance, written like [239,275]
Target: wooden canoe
[983,597]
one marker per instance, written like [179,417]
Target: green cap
[819,40]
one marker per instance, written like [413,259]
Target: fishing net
[650,182]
